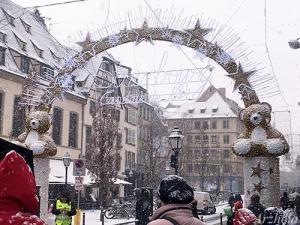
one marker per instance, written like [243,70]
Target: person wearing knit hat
[175,195]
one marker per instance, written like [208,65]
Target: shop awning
[57,174]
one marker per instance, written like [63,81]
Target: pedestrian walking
[297,206]
[242,216]
[284,200]
[63,209]
[18,202]
[256,207]
[175,195]
[238,198]
[290,216]
[231,200]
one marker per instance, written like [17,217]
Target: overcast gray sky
[70,23]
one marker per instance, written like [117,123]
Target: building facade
[210,125]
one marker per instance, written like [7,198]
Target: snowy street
[92,217]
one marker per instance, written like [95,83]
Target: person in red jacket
[18,201]
[243,216]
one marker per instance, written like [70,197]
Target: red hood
[17,186]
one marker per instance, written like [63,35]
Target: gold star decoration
[258,187]
[87,42]
[144,34]
[198,32]
[256,171]
[240,77]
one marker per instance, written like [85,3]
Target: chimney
[222,91]
[39,18]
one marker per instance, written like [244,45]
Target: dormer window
[38,50]
[2,56]
[21,43]
[55,57]
[2,37]
[191,109]
[26,26]
[10,18]
[107,66]
[202,109]
[215,109]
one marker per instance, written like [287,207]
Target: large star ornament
[258,187]
[144,34]
[256,171]
[198,32]
[240,77]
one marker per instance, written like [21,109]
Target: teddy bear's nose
[255,117]
[33,123]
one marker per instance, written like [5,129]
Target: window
[197,139]
[2,56]
[226,154]
[225,124]
[214,124]
[226,168]
[205,125]
[1,110]
[197,125]
[21,43]
[38,50]
[73,126]
[202,110]
[205,139]
[215,109]
[226,139]
[55,57]
[107,66]
[92,106]
[2,37]
[26,26]
[88,137]
[214,139]
[130,136]
[129,160]
[57,125]
[25,64]
[18,118]
[47,71]
[190,139]
[130,115]
[10,18]
[117,115]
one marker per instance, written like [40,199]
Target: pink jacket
[181,213]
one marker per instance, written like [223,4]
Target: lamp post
[176,142]
[67,161]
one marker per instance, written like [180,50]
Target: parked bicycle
[126,210]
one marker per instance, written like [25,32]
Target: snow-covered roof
[216,101]
[38,35]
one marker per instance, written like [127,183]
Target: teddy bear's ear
[267,105]
[241,114]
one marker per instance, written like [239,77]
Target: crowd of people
[177,204]
[287,214]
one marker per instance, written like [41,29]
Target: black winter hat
[174,189]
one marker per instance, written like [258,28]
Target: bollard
[83,218]
[221,219]
[201,218]
[102,216]
[77,217]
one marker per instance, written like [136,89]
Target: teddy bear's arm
[50,148]
[22,137]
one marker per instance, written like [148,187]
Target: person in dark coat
[238,198]
[18,201]
[231,200]
[175,195]
[284,201]
[256,207]
[297,206]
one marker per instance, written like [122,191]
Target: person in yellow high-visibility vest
[63,209]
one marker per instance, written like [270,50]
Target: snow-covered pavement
[92,217]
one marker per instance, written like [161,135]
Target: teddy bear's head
[39,121]
[256,115]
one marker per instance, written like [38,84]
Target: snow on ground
[92,217]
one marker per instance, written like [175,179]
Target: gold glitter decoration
[198,32]
[256,171]
[144,34]
[240,77]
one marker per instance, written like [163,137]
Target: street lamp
[176,142]
[67,161]
[294,44]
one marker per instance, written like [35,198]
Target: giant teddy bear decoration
[259,137]
[36,137]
